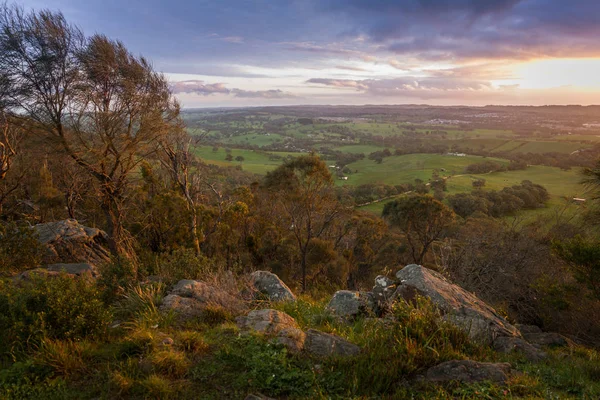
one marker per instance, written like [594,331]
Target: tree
[95,101]
[583,257]
[422,219]
[239,158]
[177,159]
[228,157]
[303,188]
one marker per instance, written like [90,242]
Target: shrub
[55,308]
[19,249]
[115,277]
[180,264]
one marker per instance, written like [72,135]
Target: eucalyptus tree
[92,98]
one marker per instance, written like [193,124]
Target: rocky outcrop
[536,336]
[468,371]
[70,242]
[323,344]
[190,298]
[271,286]
[552,339]
[459,307]
[267,321]
[55,270]
[508,345]
[77,269]
[284,329]
[348,304]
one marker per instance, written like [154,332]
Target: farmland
[417,149]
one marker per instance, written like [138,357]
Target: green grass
[255,162]
[255,139]
[366,149]
[219,362]
[549,147]
[405,169]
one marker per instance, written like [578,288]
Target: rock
[323,344]
[267,321]
[185,307]
[469,371]
[78,269]
[525,329]
[38,272]
[383,281]
[208,295]
[70,242]
[509,345]
[459,307]
[167,341]
[346,303]
[292,338]
[190,298]
[383,294]
[400,275]
[271,286]
[547,339]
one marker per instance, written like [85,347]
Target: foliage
[422,219]
[19,249]
[583,257]
[51,308]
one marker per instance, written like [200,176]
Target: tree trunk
[114,227]
[303,270]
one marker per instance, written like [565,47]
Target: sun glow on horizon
[554,73]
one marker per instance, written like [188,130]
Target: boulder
[185,307]
[383,294]
[469,371]
[547,339]
[271,286]
[323,344]
[383,281]
[70,242]
[77,269]
[459,307]
[526,329]
[267,321]
[37,272]
[190,298]
[509,345]
[292,338]
[346,303]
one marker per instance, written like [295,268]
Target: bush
[54,308]
[19,249]
[180,264]
[115,277]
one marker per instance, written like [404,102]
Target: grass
[405,169]
[214,361]
[254,161]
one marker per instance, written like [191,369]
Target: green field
[404,169]
[366,149]
[255,139]
[254,161]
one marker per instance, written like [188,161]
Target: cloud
[419,87]
[233,39]
[263,94]
[207,89]
[348,68]
[340,83]
[199,87]
[474,29]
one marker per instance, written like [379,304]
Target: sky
[229,53]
